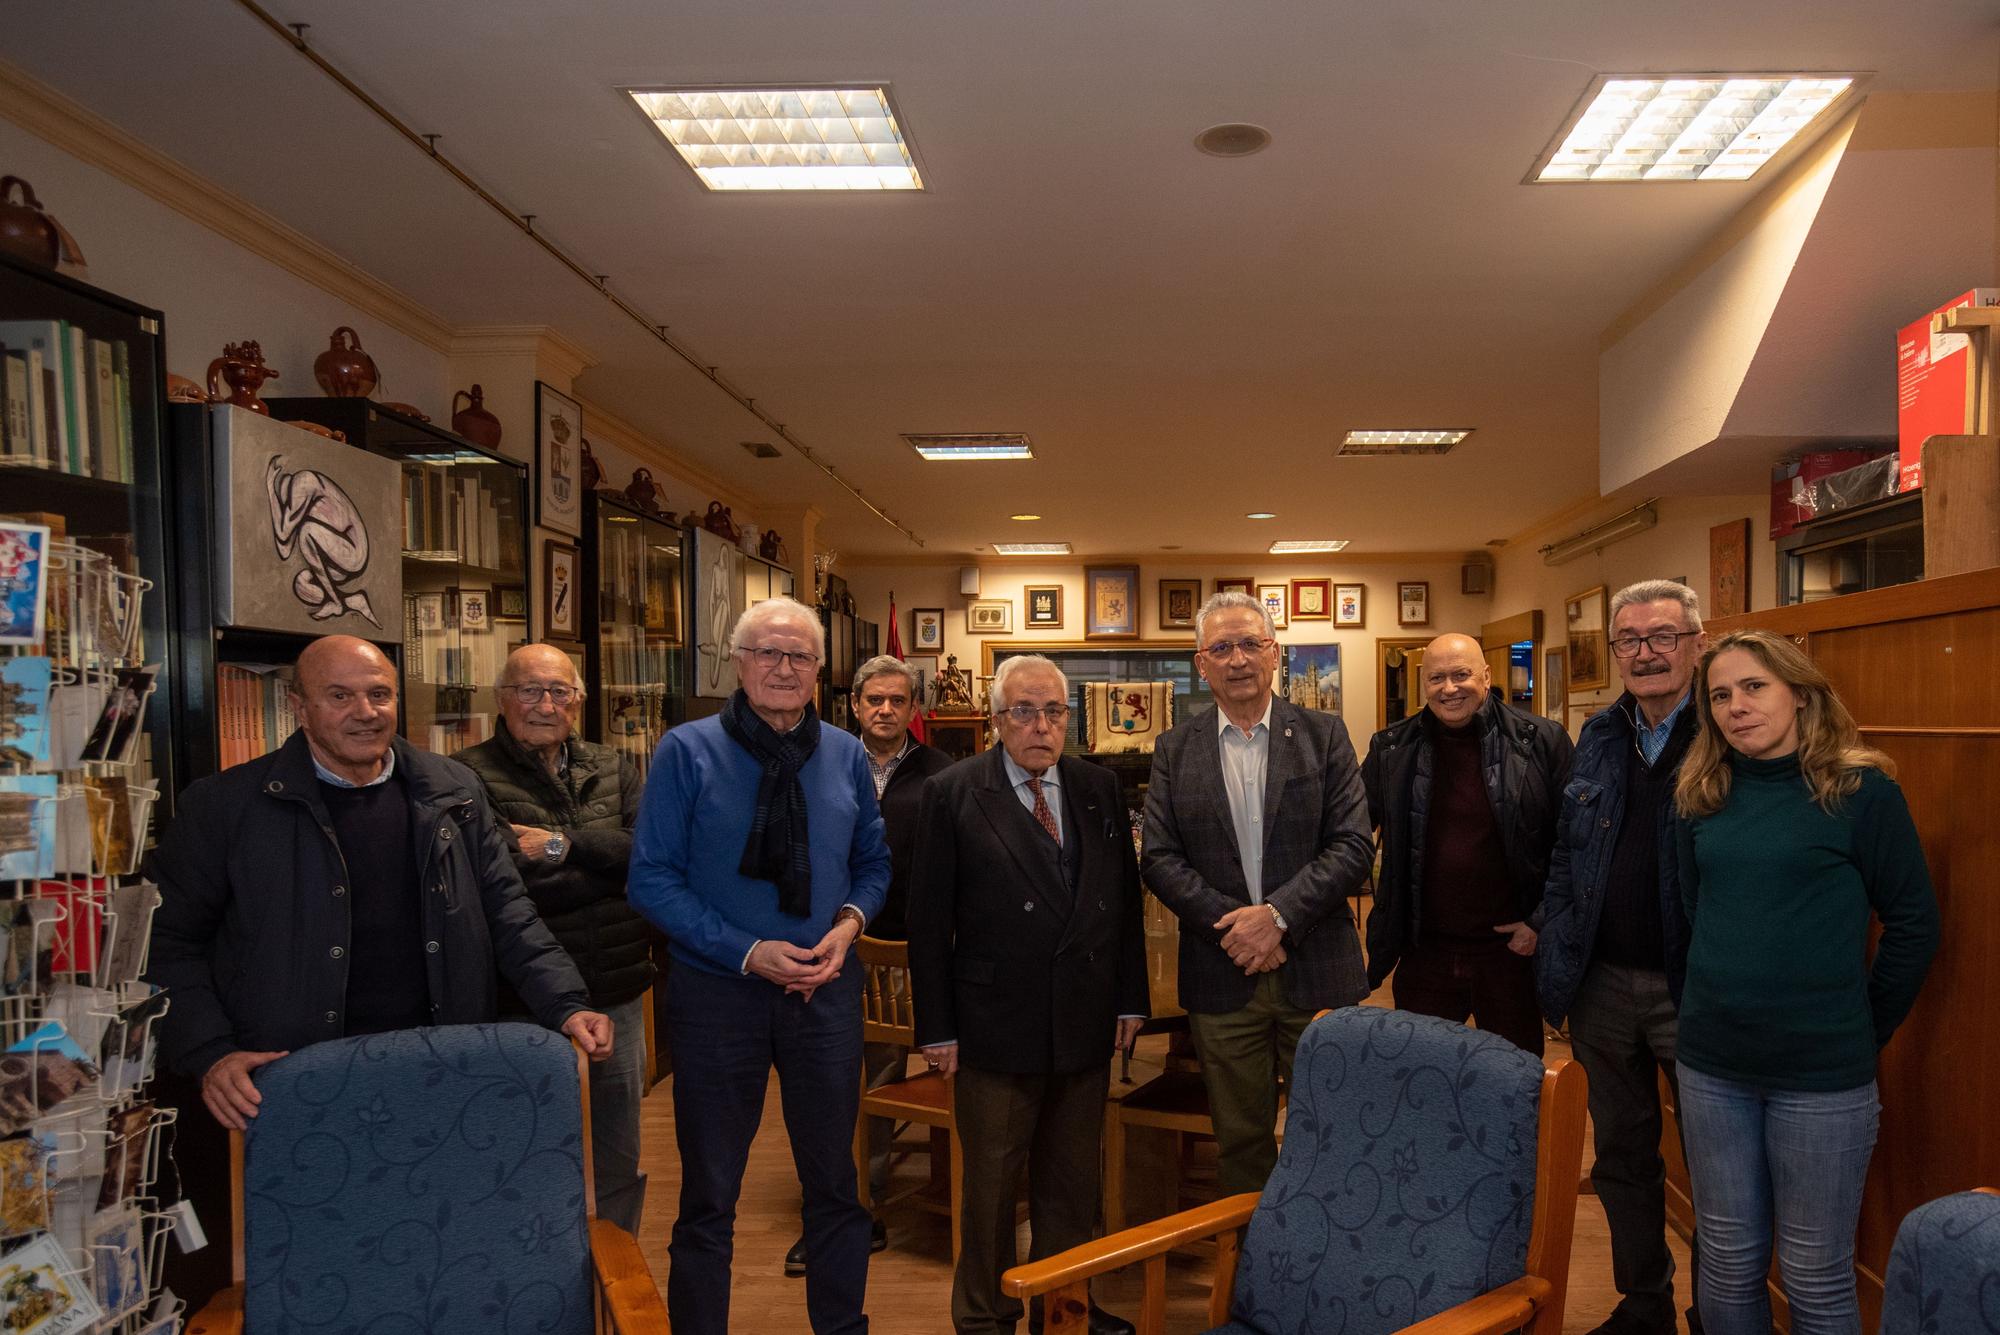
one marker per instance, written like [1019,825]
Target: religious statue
[954,688]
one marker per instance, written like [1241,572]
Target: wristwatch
[1277,917]
[556,847]
[849,911]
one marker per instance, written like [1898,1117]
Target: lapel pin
[1288,732]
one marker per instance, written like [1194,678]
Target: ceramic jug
[241,367]
[344,371]
[473,421]
[27,230]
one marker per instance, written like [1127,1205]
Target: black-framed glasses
[1025,715]
[768,658]
[1660,642]
[559,696]
[1224,650]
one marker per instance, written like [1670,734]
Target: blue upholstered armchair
[1427,1183]
[435,1174]
[1944,1271]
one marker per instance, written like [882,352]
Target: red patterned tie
[1042,812]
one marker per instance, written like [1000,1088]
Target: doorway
[1397,694]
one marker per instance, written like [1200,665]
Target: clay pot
[718,522]
[344,371]
[29,231]
[241,366]
[473,421]
[644,493]
[772,548]
[593,472]
[180,389]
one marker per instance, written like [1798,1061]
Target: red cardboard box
[1932,373]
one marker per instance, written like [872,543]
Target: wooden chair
[1406,1124]
[888,1016]
[434,1178]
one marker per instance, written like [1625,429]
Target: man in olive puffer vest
[568,807]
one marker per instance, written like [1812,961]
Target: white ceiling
[1184,337]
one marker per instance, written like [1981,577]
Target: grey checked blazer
[1318,850]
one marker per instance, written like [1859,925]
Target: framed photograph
[1277,601]
[1042,606]
[1413,602]
[1312,600]
[1312,676]
[510,604]
[925,669]
[1555,683]
[558,461]
[560,576]
[1111,602]
[1350,605]
[926,630]
[1729,569]
[1589,651]
[989,616]
[1180,599]
[475,608]
[1233,585]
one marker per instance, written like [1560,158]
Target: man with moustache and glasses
[1614,936]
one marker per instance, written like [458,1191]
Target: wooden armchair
[433,1177]
[1427,1184]
[889,1016]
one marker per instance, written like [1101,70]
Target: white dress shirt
[1244,760]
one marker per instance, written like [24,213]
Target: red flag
[895,649]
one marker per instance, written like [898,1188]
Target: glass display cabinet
[635,649]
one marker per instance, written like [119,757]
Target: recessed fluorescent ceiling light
[973,445]
[1031,548]
[1024,518]
[1694,127]
[784,138]
[1308,545]
[1403,442]
[1260,514]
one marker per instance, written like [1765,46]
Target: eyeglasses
[1661,642]
[1223,650]
[559,696]
[769,658]
[1025,715]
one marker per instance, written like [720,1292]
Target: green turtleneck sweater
[1780,993]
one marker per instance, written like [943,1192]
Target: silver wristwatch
[1277,917]
[557,845]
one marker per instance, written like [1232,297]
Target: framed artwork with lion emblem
[558,461]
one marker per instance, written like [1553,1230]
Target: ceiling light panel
[784,138]
[972,445]
[1294,546]
[1031,548]
[1422,441]
[1698,127]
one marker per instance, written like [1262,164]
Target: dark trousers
[1055,1123]
[728,1034]
[1623,1027]
[1488,984]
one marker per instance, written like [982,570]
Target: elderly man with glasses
[1028,964]
[1256,832]
[566,808]
[759,852]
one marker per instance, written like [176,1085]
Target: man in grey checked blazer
[1256,833]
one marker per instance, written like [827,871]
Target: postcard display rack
[635,653]
[84,761]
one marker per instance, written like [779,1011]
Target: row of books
[65,400]
[456,516]
[255,712]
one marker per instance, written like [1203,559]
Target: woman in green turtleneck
[1792,835]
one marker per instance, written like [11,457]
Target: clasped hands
[1251,938]
[802,970]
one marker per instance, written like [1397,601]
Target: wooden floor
[909,1285]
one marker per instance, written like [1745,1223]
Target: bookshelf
[635,634]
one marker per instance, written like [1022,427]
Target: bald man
[346,883]
[1465,794]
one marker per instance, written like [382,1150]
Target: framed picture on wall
[1110,602]
[1234,585]
[989,616]
[1277,601]
[1555,683]
[1589,652]
[475,610]
[1180,599]
[1350,605]
[1312,599]
[925,667]
[926,630]
[1413,602]
[558,461]
[510,604]
[1042,606]
[1729,569]
[560,595]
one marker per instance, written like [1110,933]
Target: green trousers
[1244,1053]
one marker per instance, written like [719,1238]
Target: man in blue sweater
[759,852]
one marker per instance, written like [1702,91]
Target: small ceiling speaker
[968,581]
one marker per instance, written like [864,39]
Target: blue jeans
[728,1033]
[1789,1162]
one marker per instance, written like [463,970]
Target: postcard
[117,1240]
[125,1154]
[73,710]
[28,965]
[39,1072]
[125,1052]
[117,728]
[24,1186]
[27,826]
[24,585]
[128,927]
[24,710]
[42,1293]
[80,924]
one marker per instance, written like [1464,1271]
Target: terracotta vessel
[344,371]
[644,493]
[241,365]
[473,421]
[407,410]
[772,548]
[180,389]
[593,472]
[29,231]
[717,521]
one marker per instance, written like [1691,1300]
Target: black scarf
[777,849]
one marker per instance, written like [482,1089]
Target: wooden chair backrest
[888,1015]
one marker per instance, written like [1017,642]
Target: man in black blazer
[1256,832]
[1027,956]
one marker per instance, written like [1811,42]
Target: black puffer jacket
[582,898]
[1525,762]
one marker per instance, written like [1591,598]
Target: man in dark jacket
[347,883]
[1465,793]
[568,807]
[1614,936]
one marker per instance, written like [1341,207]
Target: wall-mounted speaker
[1475,577]
[968,581]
